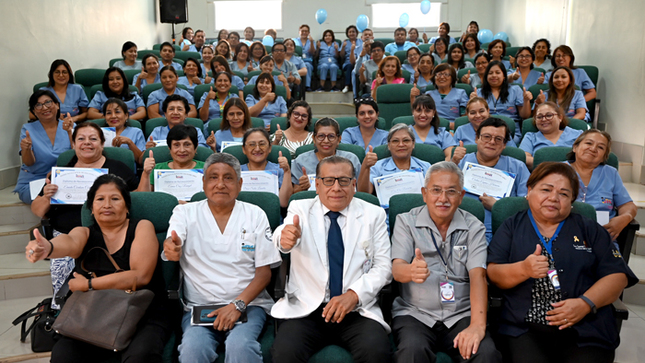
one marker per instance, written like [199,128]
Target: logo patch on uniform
[248,248]
[268,234]
[606,201]
[581,245]
[616,253]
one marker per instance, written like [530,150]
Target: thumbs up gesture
[528,96]
[419,268]
[149,164]
[150,143]
[68,123]
[516,74]
[370,158]
[304,180]
[473,94]
[37,249]
[211,94]
[278,135]
[283,162]
[540,98]
[536,265]
[541,78]
[460,152]
[290,234]
[25,144]
[466,78]
[415,91]
[172,247]
[211,141]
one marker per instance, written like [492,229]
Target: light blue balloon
[362,22]
[404,19]
[268,41]
[502,36]
[321,16]
[425,6]
[485,36]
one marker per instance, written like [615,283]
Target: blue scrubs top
[160,95]
[531,79]
[534,141]
[421,82]
[75,98]
[393,47]
[297,61]
[443,139]
[100,98]
[581,79]
[161,132]
[236,68]
[269,166]
[509,108]
[45,153]
[121,64]
[475,80]
[143,81]
[409,68]
[136,135]
[175,65]
[467,134]
[348,48]
[255,78]
[191,89]
[306,56]
[605,191]
[387,166]
[449,106]
[434,39]
[224,135]
[214,109]
[309,161]
[510,165]
[437,59]
[577,102]
[353,135]
[236,81]
[271,110]
[328,54]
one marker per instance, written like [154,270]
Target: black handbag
[43,336]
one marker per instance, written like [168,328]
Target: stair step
[20,278]
[332,109]
[11,349]
[329,97]
[14,238]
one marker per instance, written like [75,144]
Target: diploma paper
[161,143]
[35,186]
[409,181]
[226,144]
[260,181]
[602,217]
[479,179]
[110,134]
[182,183]
[73,184]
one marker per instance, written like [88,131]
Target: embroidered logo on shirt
[606,201]
[581,245]
[248,248]
[267,234]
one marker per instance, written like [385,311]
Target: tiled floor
[631,336]
[637,192]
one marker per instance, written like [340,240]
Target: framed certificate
[479,179]
[260,181]
[109,133]
[409,181]
[73,184]
[182,183]
[226,144]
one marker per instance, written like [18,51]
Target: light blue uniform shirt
[161,132]
[467,134]
[534,141]
[271,110]
[191,89]
[387,166]
[509,108]
[193,48]
[577,102]
[75,98]
[605,191]
[352,135]
[531,79]
[437,59]
[409,68]
[297,62]
[121,64]
[348,49]
[510,165]
[214,109]
[236,68]
[475,81]
[547,66]
[306,56]
[581,79]
[160,95]
[442,140]
[145,82]
[434,39]
[450,106]
[393,47]
[136,135]
[287,69]
[100,98]
[224,135]
[421,82]
[255,78]
[328,54]
[309,161]
[175,65]
[270,166]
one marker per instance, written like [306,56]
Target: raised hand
[149,164]
[536,265]
[120,140]
[528,96]
[415,91]
[541,78]
[270,96]
[143,73]
[172,247]
[370,158]
[68,123]
[211,141]
[379,79]
[283,162]
[419,268]
[516,74]
[38,248]
[49,190]
[25,144]
[473,94]
[250,67]
[282,79]
[304,180]
[290,234]
[151,143]
[278,134]
[425,37]
[211,94]
[466,78]
[512,60]
[460,152]
[196,80]
[540,98]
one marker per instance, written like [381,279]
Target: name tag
[447,292]
[555,280]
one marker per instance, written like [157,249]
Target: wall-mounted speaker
[173,11]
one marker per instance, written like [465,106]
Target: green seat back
[466,87]
[393,101]
[310,194]
[129,75]
[185,55]
[424,48]
[512,51]
[162,154]
[114,60]
[116,153]
[99,87]
[237,151]
[559,153]
[536,88]
[279,90]
[385,41]
[403,203]
[592,72]
[176,60]
[269,202]
[89,77]
[409,120]
[510,151]
[214,124]
[462,72]
[507,207]
[142,53]
[538,69]
[282,121]
[161,121]
[354,149]
[203,88]
[102,123]
[429,153]
[40,85]
[402,55]
[147,90]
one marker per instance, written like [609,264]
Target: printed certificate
[73,184]
[479,179]
[260,181]
[226,144]
[182,183]
[409,181]
[109,133]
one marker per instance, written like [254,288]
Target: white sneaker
[346,89]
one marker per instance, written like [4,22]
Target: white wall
[85,33]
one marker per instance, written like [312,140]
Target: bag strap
[116,266]
[28,314]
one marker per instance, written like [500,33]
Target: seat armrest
[620,310]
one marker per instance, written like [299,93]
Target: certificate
[109,133]
[312,181]
[409,181]
[226,144]
[260,181]
[182,183]
[73,184]
[35,186]
[161,142]
[479,179]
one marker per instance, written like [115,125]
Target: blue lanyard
[452,238]
[548,244]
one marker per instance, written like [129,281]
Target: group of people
[440,255]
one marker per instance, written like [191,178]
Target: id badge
[555,281]
[447,292]
[329,60]
[367,265]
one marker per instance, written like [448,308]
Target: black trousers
[417,342]
[546,344]
[298,339]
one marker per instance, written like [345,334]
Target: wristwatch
[239,305]
[590,303]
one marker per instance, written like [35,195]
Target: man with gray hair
[439,256]
[225,253]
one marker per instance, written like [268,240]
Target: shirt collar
[458,221]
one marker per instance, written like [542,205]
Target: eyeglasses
[560,56]
[405,141]
[46,104]
[489,138]
[442,75]
[548,117]
[330,137]
[477,64]
[61,72]
[302,116]
[329,181]
[450,193]
[261,144]
[278,51]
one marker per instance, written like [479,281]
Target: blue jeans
[199,343]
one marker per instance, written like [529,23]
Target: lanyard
[548,244]
[452,239]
